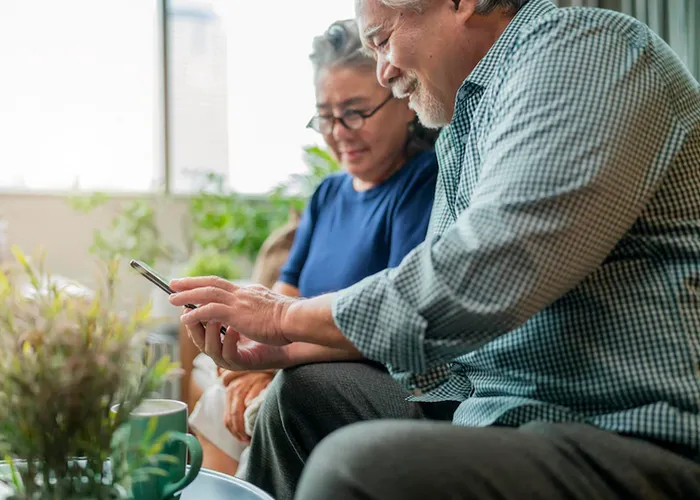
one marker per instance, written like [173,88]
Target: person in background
[357,223]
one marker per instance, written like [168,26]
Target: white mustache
[403,88]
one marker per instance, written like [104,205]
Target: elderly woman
[357,223]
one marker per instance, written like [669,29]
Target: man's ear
[464,9]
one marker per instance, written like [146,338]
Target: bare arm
[285,289]
[311,321]
[304,352]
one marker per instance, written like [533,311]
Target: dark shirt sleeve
[291,271]
[412,213]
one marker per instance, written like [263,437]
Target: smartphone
[155,278]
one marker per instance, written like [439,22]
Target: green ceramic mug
[171,418]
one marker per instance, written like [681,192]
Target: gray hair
[341,46]
[482,6]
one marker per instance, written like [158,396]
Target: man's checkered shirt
[560,278]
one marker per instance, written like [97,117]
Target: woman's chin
[357,169]
[356,165]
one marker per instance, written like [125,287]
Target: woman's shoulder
[425,161]
[329,187]
[421,168]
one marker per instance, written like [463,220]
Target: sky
[79,91]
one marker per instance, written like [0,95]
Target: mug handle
[195,450]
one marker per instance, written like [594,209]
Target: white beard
[431,112]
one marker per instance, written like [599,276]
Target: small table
[208,484]
[211,484]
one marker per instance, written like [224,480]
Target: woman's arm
[285,289]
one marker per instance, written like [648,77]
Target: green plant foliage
[212,263]
[221,221]
[65,360]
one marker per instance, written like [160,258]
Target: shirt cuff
[381,324]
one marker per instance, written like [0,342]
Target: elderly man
[560,277]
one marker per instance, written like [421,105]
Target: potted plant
[65,360]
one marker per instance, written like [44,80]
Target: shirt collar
[482,74]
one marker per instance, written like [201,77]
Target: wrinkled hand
[253,316]
[239,394]
[254,311]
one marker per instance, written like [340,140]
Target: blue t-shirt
[345,235]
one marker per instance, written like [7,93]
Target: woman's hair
[340,46]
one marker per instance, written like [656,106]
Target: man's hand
[236,352]
[239,394]
[253,311]
[264,329]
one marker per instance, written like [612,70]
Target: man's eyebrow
[370,31]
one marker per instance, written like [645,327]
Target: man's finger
[182,284]
[212,341]
[229,350]
[196,334]
[203,295]
[197,337]
[207,313]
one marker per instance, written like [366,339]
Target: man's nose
[386,72]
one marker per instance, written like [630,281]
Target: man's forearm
[301,353]
[311,321]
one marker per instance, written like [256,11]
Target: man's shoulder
[574,45]
[574,24]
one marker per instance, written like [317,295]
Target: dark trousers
[306,403]
[400,450]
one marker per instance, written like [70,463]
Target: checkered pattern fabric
[560,277]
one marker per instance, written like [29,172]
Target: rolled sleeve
[381,324]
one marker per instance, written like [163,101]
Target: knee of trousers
[297,397]
[351,453]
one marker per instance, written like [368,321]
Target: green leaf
[14,475]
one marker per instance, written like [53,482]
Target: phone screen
[155,278]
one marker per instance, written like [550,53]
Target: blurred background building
[198,94]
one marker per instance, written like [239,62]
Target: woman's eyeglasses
[351,119]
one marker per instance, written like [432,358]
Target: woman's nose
[340,131]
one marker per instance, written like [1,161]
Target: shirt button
[417,392]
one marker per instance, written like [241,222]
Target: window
[270,85]
[79,94]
